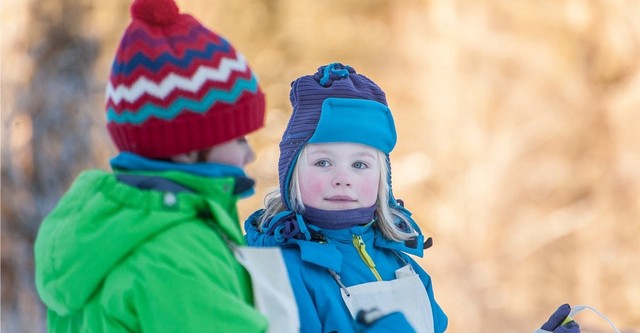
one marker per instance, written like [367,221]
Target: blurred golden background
[518,122]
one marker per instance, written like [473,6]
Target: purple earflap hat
[335,104]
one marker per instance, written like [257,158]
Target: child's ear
[188,158]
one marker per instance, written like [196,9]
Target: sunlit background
[518,121]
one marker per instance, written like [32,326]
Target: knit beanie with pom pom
[177,87]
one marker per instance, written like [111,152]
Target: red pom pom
[156,12]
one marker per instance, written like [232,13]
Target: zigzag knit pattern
[143,84]
[176,86]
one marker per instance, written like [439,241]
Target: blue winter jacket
[317,293]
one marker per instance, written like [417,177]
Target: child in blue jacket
[346,240]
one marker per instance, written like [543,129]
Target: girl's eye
[322,163]
[359,165]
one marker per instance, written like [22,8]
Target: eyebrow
[327,152]
[366,154]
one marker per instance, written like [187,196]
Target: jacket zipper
[362,250]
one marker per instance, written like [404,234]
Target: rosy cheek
[370,192]
[311,186]
[311,189]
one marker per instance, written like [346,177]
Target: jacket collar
[130,163]
[324,254]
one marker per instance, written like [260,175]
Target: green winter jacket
[115,258]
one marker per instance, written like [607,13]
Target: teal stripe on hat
[182,103]
[360,121]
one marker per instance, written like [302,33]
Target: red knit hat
[176,86]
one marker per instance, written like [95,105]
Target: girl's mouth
[341,198]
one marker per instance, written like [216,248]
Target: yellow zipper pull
[362,250]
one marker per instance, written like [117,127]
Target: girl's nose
[341,180]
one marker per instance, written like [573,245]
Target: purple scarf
[338,219]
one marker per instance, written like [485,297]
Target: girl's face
[339,176]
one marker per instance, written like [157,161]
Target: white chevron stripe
[174,81]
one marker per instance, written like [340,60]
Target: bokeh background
[518,120]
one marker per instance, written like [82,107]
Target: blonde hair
[390,220]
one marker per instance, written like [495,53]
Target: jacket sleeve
[440,320]
[173,285]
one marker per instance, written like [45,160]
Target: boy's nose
[249,156]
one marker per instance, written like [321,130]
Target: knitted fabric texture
[340,219]
[176,86]
[307,96]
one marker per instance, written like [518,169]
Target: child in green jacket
[146,247]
